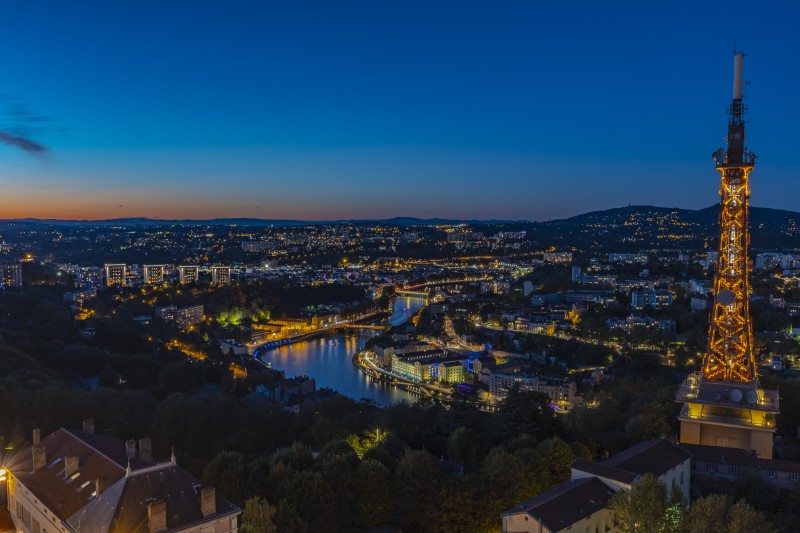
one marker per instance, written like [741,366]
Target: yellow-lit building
[153,274]
[115,274]
[220,275]
[188,273]
[452,372]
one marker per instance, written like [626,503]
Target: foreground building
[73,481]
[581,503]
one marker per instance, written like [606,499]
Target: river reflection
[329,360]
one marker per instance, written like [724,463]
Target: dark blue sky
[523,110]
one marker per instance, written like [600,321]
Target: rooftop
[656,457]
[566,503]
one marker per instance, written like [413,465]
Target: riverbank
[377,373]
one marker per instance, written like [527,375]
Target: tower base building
[728,414]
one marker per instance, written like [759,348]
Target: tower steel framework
[724,404]
[730,354]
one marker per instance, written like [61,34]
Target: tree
[374,500]
[643,508]
[418,484]
[228,473]
[526,412]
[745,519]
[507,476]
[461,446]
[108,377]
[257,516]
[717,513]
[553,457]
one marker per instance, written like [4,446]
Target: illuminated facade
[186,316]
[220,275]
[724,404]
[188,273]
[153,274]
[115,274]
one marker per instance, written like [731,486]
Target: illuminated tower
[724,404]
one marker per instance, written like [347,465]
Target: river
[328,360]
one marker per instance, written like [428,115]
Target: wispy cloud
[21,125]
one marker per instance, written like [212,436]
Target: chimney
[157,516]
[70,465]
[130,449]
[100,485]
[39,457]
[145,450]
[208,501]
[88,426]
[37,436]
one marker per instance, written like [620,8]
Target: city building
[76,482]
[658,299]
[187,316]
[724,404]
[627,258]
[80,296]
[557,257]
[188,273]
[576,275]
[452,372]
[166,313]
[183,316]
[90,277]
[715,469]
[153,274]
[418,366]
[562,392]
[115,274]
[220,275]
[11,275]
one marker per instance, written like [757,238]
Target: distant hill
[644,226]
[631,228]
[253,222]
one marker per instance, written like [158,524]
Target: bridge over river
[328,358]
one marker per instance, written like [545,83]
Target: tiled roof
[601,470]
[122,505]
[566,503]
[64,495]
[651,457]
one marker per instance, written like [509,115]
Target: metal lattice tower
[724,404]
[730,341]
